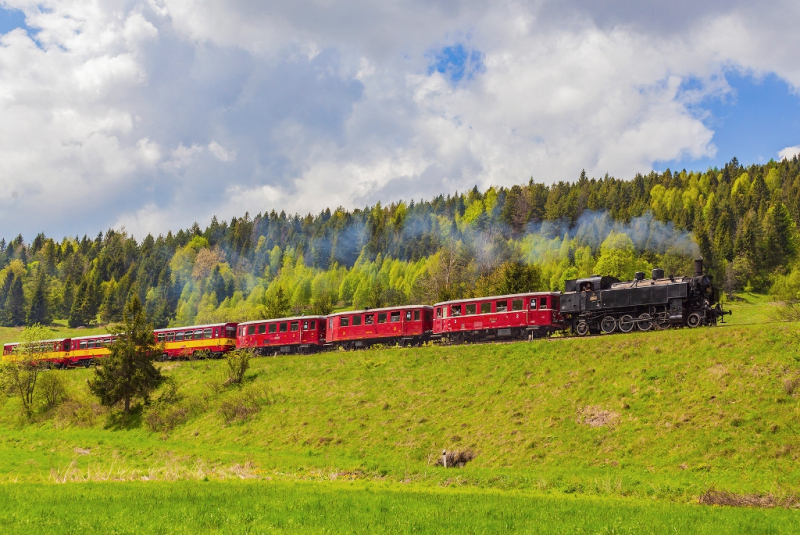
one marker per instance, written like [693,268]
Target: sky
[149,115]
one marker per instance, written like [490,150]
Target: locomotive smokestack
[698,267]
[658,274]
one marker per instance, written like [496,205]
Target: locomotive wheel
[694,320]
[661,323]
[582,328]
[626,323]
[608,325]
[645,322]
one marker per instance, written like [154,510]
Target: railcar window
[170,337]
[198,334]
[251,329]
[356,320]
[369,319]
[344,321]
[543,302]
[82,345]
[533,303]
[502,306]
[90,344]
[284,327]
[262,328]
[273,328]
[313,325]
[179,337]
[428,315]
[516,304]
[486,308]
[471,309]
[107,342]
[207,333]
[295,326]
[305,325]
[395,317]
[161,337]
[416,315]
[382,317]
[408,315]
[189,336]
[455,310]
[439,312]
[230,331]
[216,333]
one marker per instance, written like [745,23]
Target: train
[592,305]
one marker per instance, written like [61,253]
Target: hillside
[668,415]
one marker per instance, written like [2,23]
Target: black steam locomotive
[604,304]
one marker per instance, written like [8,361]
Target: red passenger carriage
[182,342]
[305,334]
[518,316]
[404,325]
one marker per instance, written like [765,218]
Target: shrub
[243,405]
[238,364]
[52,391]
[161,418]
[79,412]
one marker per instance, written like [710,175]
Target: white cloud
[789,152]
[162,112]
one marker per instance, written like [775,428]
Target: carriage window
[439,312]
[369,319]
[471,309]
[533,303]
[262,328]
[313,325]
[273,328]
[198,334]
[83,344]
[395,317]
[516,304]
[251,329]
[455,310]
[179,337]
[284,327]
[344,321]
[108,342]
[170,337]
[408,315]
[382,317]
[231,331]
[216,333]
[160,337]
[295,325]
[187,335]
[428,315]
[502,306]
[416,315]
[543,302]
[207,333]
[356,320]
[305,325]
[486,308]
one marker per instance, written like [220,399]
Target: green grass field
[615,434]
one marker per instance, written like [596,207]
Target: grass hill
[666,415]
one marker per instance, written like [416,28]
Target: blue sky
[152,115]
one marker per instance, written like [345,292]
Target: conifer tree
[129,371]
[15,304]
[39,311]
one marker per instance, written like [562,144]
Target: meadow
[612,434]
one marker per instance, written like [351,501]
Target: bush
[243,405]
[238,364]
[79,413]
[51,389]
[162,418]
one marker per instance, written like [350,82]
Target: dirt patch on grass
[596,416]
[730,499]
[456,459]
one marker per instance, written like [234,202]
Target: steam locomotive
[606,304]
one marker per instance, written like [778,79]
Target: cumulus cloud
[157,113]
[789,152]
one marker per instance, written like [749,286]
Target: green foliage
[128,372]
[20,373]
[238,362]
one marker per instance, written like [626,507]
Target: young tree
[128,372]
[39,311]
[22,369]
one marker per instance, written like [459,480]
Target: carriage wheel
[626,323]
[608,325]
[645,322]
[694,320]
[662,322]
[582,328]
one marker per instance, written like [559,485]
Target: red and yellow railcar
[184,342]
[304,334]
[404,325]
[83,351]
[518,316]
[56,352]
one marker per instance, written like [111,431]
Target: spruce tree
[39,311]
[15,303]
[129,371]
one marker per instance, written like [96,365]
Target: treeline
[531,236]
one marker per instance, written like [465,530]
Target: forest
[741,220]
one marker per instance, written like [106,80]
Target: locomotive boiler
[605,304]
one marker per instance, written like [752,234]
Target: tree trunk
[127,404]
